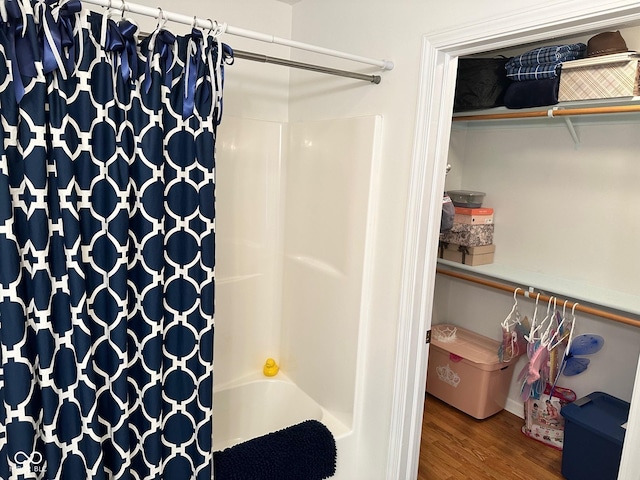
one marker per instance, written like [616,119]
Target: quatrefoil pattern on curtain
[107,260]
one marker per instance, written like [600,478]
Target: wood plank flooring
[456,446]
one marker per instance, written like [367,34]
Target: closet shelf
[563,110]
[612,108]
[582,293]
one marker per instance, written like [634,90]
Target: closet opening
[435,137]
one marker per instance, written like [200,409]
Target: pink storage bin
[466,373]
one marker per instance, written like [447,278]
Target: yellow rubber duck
[270,368]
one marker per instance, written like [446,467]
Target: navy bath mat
[306,451]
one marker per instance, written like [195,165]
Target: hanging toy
[586,344]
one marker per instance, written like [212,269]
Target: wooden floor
[456,446]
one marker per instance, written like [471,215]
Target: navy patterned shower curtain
[106,245]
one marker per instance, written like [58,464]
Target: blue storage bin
[593,437]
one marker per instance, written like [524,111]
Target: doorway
[437,84]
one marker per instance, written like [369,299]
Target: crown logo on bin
[448,376]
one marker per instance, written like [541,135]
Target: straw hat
[606,43]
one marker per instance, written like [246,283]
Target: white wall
[559,209]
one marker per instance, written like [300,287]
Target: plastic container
[466,198]
[466,373]
[593,437]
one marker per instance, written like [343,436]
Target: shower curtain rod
[241,32]
[544,298]
[257,57]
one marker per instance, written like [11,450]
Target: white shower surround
[293,269]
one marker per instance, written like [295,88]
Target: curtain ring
[212,26]
[107,14]
[220,29]
[161,17]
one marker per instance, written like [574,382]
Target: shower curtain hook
[216,29]
[193,24]
[124,7]
[220,29]
[161,16]
[109,11]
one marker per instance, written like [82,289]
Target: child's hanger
[534,328]
[559,335]
[545,339]
[508,322]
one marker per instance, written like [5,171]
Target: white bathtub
[260,405]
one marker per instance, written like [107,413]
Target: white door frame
[440,52]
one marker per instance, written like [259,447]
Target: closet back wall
[560,210]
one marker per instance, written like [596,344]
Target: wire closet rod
[545,298]
[241,32]
[551,113]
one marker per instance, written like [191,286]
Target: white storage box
[609,76]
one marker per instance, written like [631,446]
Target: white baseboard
[515,406]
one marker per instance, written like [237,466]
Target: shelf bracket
[568,123]
[572,131]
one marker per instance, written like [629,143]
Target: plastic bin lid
[469,345]
[602,414]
